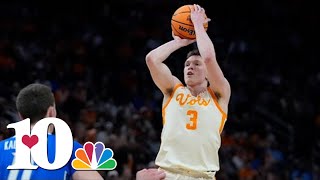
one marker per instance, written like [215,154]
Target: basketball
[181,23]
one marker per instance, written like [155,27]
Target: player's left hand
[198,15]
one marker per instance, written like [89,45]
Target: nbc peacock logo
[94,157]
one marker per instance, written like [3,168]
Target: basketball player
[36,102]
[193,115]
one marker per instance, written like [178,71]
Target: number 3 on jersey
[192,125]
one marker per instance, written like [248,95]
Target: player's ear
[51,112]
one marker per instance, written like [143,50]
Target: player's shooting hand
[183,42]
[150,174]
[198,15]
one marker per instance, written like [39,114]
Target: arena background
[92,55]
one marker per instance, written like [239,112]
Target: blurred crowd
[92,56]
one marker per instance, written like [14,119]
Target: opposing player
[193,114]
[150,174]
[36,102]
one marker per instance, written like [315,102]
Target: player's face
[194,71]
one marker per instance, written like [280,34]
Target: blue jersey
[7,150]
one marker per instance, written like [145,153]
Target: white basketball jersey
[191,131]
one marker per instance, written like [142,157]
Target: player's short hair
[34,100]
[194,52]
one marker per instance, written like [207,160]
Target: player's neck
[197,90]
[50,128]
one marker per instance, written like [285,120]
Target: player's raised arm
[218,83]
[160,72]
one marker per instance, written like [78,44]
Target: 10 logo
[34,144]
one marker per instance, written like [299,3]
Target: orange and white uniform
[191,134]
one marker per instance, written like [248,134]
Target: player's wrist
[178,43]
